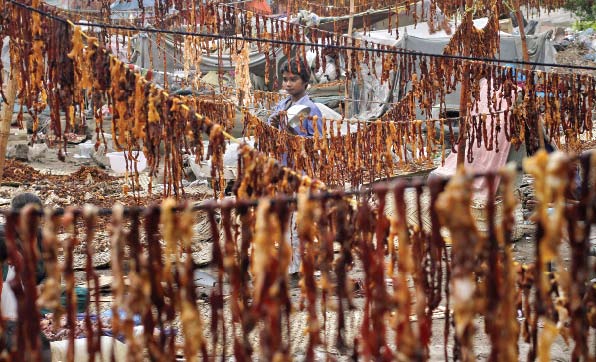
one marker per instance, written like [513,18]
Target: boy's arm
[40,269]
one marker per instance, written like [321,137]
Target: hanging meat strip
[269,269]
[578,229]
[344,235]
[507,325]
[436,187]
[138,298]
[50,294]
[239,302]
[551,176]
[423,279]
[325,261]
[216,297]
[69,222]
[217,148]
[117,242]
[407,337]
[28,314]
[453,208]
[377,303]
[92,334]
[178,232]
[156,346]
[305,221]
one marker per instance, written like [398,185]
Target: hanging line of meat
[357,152]
[340,7]
[144,117]
[449,7]
[399,142]
[219,18]
[428,86]
[226,20]
[562,98]
[337,8]
[411,274]
[230,20]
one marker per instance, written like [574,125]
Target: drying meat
[269,269]
[453,208]
[305,221]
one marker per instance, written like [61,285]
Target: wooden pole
[349,60]
[526,57]
[7,110]
[522,33]
[351,20]
[464,94]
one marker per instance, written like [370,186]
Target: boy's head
[295,75]
[20,200]
[298,67]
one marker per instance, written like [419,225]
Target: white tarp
[418,38]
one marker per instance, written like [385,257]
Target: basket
[478,210]
[480,216]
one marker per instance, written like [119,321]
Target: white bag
[8,301]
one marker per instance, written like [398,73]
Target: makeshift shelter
[401,15]
[484,160]
[419,38]
[150,54]
[130,9]
[149,48]
[62,4]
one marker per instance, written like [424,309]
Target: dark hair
[298,67]
[40,271]
[329,52]
[19,201]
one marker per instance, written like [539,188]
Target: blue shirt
[284,104]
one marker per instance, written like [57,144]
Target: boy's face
[293,84]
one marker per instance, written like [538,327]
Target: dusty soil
[574,55]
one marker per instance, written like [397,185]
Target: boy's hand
[274,120]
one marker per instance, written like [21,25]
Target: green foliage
[583,25]
[585,9]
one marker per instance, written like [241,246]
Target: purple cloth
[284,104]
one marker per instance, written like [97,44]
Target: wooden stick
[7,111]
[464,94]
[348,60]
[522,33]
[526,57]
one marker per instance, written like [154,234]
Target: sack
[59,349]
[8,301]
[82,300]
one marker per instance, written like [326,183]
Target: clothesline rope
[308,44]
[356,121]
[213,204]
